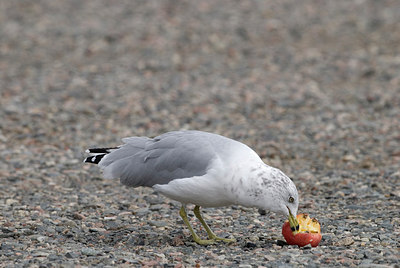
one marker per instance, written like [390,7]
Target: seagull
[202,169]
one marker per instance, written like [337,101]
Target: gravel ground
[312,86]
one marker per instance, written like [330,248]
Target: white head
[269,188]
[285,198]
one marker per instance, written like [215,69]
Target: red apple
[309,232]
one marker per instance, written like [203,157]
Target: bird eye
[291,199]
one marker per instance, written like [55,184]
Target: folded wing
[143,161]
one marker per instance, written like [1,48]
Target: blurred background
[277,74]
[313,86]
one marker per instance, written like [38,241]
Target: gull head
[270,189]
[285,198]
[290,201]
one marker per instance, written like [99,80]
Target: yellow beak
[293,222]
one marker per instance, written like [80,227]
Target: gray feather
[143,161]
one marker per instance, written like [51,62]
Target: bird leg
[211,235]
[196,238]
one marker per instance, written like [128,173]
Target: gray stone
[90,251]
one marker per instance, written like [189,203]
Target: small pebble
[89,252]
[345,241]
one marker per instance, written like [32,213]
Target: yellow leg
[210,233]
[196,238]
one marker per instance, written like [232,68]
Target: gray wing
[143,161]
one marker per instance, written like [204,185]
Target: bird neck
[246,188]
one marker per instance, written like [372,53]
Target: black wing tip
[101,150]
[95,159]
[99,153]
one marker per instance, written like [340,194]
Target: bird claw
[226,240]
[213,240]
[205,242]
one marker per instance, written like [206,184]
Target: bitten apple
[309,232]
